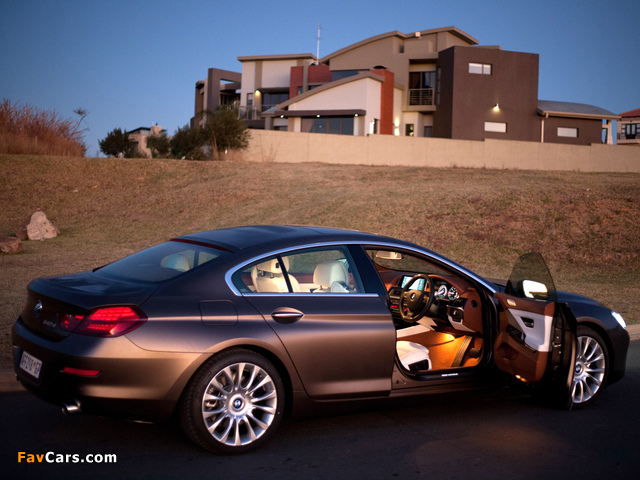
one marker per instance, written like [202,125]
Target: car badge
[38,308]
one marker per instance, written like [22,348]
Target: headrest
[273,265]
[330,271]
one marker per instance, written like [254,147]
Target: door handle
[286,315]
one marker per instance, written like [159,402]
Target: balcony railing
[249,113]
[421,96]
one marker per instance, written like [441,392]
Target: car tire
[592,367]
[234,403]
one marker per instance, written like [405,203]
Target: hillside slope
[586,225]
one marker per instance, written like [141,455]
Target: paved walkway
[8,381]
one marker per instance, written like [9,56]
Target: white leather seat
[331,276]
[268,277]
[178,262]
[413,356]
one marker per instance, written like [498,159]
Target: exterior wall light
[496,107]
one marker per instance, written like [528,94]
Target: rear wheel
[234,403]
[592,363]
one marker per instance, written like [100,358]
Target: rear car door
[536,335]
[340,338]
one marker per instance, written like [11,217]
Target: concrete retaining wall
[290,147]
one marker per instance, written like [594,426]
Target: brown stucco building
[432,83]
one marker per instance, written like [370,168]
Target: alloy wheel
[239,404]
[590,369]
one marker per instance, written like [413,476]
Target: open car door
[536,336]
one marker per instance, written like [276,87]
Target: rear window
[162,262]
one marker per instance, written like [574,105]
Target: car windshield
[162,262]
[403,262]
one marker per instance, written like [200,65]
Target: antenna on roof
[318,47]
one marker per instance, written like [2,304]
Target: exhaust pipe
[71,408]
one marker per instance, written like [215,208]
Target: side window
[323,270]
[318,270]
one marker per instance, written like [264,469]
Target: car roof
[258,239]
[239,238]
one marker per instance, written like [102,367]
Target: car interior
[440,328]
[438,316]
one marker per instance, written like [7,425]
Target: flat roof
[286,56]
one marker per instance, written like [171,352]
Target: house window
[408,130]
[340,74]
[497,127]
[438,85]
[480,68]
[270,100]
[630,131]
[567,132]
[421,88]
[334,125]
[428,132]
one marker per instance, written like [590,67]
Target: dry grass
[586,225]
[28,130]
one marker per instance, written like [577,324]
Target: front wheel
[233,403]
[592,363]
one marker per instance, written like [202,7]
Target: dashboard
[456,303]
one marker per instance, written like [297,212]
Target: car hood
[569,298]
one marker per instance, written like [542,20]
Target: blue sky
[132,63]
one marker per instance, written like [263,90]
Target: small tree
[187,143]
[117,144]
[225,130]
[159,145]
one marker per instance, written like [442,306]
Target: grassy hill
[586,225]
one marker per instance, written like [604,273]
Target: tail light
[104,322]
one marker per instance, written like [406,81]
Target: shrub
[117,144]
[28,130]
[187,143]
[159,145]
[224,130]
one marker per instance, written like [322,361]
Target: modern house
[432,83]
[629,128]
[138,137]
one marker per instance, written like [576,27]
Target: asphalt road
[490,434]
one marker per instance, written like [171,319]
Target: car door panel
[536,342]
[523,341]
[340,344]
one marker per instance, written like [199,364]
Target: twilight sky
[132,63]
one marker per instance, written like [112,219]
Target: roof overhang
[314,113]
[586,116]
[452,30]
[289,56]
[549,108]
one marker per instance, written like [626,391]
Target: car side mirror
[535,290]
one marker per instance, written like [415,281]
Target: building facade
[432,83]
[629,128]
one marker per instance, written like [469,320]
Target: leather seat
[331,276]
[413,356]
[268,277]
[178,262]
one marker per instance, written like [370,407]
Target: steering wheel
[416,302]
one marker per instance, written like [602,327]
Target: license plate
[30,364]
